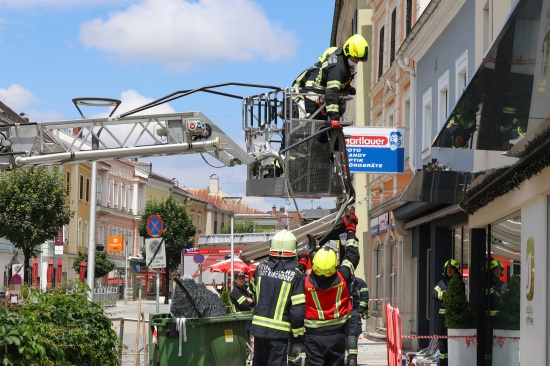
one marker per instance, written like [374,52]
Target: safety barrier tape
[382,298]
[468,338]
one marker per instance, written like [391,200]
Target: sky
[137,51]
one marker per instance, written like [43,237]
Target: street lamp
[94,102]
[231,203]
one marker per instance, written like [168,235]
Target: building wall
[436,71]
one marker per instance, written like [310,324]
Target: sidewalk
[371,352]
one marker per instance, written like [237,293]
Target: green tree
[33,206]
[178,230]
[457,309]
[102,265]
[239,226]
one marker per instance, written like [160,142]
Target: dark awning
[506,97]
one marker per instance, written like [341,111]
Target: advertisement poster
[375,149]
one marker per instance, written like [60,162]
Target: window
[87,189]
[408,22]
[443,100]
[379,273]
[131,203]
[79,234]
[81,187]
[101,234]
[115,194]
[123,196]
[86,234]
[392,40]
[215,226]
[461,66]
[99,189]
[110,194]
[381,53]
[199,221]
[427,119]
[68,179]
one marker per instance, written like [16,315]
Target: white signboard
[155,253]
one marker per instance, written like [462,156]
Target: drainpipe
[412,114]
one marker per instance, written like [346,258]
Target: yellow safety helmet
[495,264]
[327,52]
[452,263]
[324,262]
[356,46]
[283,244]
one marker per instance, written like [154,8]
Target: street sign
[198,258]
[115,243]
[155,253]
[155,226]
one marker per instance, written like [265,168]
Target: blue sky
[140,50]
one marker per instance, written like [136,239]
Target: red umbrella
[82,273]
[225,266]
[59,273]
[49,274]
[34,273]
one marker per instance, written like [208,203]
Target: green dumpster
[199,341]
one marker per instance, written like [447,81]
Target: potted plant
[460,322]
[506,326]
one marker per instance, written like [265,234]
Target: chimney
[273,210]
[214,185]
[281,209]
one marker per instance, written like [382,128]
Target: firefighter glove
[351,90]
[303,258]
[365,314]
[335,124]
[350,222]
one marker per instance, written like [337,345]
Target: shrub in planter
[58,327]
[508,315]
[457,309]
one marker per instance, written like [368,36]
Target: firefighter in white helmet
[278,288]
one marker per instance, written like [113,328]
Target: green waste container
[209,341]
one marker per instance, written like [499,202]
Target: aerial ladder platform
[288,153]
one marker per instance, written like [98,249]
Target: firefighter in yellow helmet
[328,301]
[451,269]
[278,288]
[337,74]
[497,287]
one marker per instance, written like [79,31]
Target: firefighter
[497,287]
[336,75]
[451,268]
[278,288]
[328,303]
[360,309]
[241,299]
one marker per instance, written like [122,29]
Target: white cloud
[16,97]
[57,3]
[180,34]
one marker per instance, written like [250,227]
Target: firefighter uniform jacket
[335,75]
[498,287]
[238,298]
[278,288]
[328,303]
[360,304]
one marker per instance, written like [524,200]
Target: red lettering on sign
[367,140]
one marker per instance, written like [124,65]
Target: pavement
[372,350]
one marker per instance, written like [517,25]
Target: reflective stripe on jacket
[327,307]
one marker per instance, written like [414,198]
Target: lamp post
[232,203]
[94,102]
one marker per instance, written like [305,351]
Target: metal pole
[91,235]
[200,273]
[125,271]
[158,289]
[232,254]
